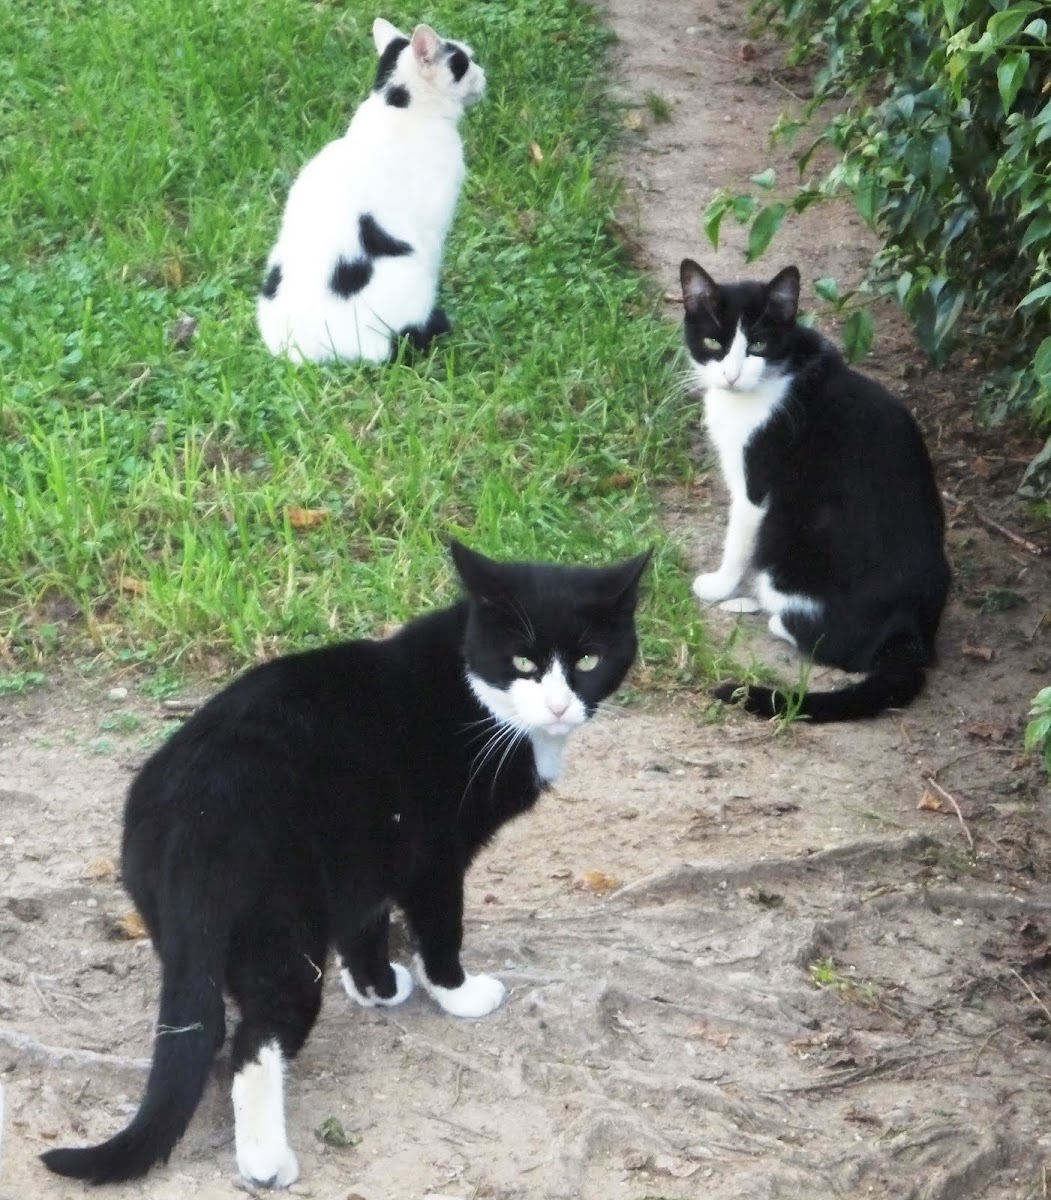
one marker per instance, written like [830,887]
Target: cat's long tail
[896,679]
[190,1030]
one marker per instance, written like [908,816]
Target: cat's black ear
[625,579]
[425,45]
[383,33]
[783,295]
[700,292]
[481,576]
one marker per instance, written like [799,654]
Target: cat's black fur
[853,515]
[293,809]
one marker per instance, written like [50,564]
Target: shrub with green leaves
[1038,731]
[944,141]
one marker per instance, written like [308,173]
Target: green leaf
[1042,366]
[1037,29]
[1003,26]
[827,288]
[1038,230]
[765,179]
[1036,297]
[858,332]
[765,225]
[941,154]
[866,198]
[713,218]
[950,304]
[743,207]
[332,1133]
[1010,75]
[952,11]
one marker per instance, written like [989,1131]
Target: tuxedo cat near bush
[299,804]
[357,259]
[834,510]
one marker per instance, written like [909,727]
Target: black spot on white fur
[388,61]
[377,242]
[272,282]
[397,96]
[349,278]
[421,336]
[458,63]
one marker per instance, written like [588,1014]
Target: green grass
[146,148]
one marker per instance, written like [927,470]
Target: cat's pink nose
[558,707]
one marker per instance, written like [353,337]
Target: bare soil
[742,963]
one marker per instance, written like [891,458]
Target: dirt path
[742,965]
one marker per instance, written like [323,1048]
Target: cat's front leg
[434,906]
[742,530]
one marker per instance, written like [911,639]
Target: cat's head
[546,644]
[740,335]
[425,69]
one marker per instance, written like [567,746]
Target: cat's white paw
[263,1154]
[477,996]
[740,604]
[267,1166]
[713,586]
[402,991]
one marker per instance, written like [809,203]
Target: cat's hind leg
[275,977]
[421,336]
[369,977]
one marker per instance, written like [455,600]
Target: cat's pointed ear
[626,576]
[478,574]
[425,45]
[383,33]
[699,289]
[783,295]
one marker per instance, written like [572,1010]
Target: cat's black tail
[190,1030]
[896,679]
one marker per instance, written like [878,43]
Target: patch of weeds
[121,722]
[998,600]
[102,745]
[827,975]
[660,108]
[151,740]
[161,685]
[20,681]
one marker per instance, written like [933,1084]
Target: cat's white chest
[547,754]
[733,417]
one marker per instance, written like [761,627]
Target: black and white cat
[357,259]
[834,510]
[299,804]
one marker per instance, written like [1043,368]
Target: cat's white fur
[740,395]
[402,989]
[545,709]
[261,1143]
[477,996]
[402,166]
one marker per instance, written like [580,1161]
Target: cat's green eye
[757,347]
[523,665]
[711,343]
[588,663]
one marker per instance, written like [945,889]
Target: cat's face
[425,68]
[741,335]
[546,644]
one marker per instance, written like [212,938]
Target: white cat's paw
[267,1165]
[402,990]
[713,586]
[740,604]
[477,996]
